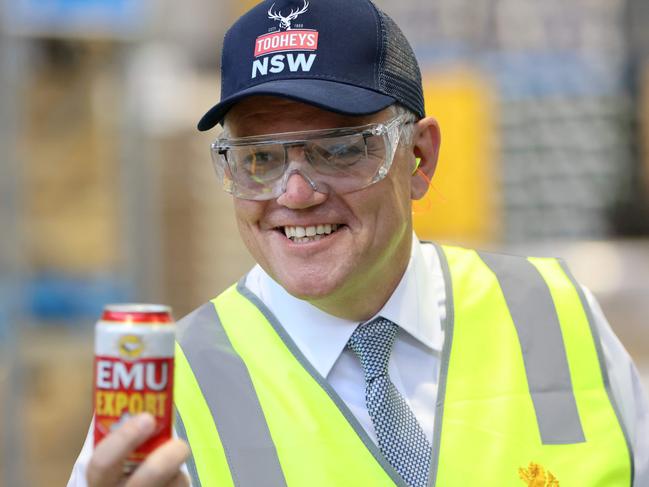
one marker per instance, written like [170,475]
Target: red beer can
[134,370]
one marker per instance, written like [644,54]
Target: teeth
[308,239]
[311,233]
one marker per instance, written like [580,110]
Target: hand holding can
[134,365]
[161,467]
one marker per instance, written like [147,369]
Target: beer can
[134,370]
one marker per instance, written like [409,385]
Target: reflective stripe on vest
[317,440]
[541,396]
[544,356]
[520,383]
[231,400]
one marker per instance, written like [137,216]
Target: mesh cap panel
[399,73]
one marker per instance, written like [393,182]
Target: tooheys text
[302,43]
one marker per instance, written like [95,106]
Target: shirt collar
[413,305]
[322,337]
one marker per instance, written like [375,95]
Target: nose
[299,194]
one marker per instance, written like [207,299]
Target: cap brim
[328,95]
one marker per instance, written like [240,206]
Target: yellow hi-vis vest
[523,395]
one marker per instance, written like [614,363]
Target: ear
[426,143]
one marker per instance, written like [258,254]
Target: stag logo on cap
[285,22]
[295,42]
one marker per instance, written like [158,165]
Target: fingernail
[145,422]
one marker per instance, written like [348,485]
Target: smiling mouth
[309,234]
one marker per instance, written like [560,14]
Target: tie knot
[372,343]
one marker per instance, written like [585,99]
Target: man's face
[371,246]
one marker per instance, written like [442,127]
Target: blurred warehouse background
[107,191]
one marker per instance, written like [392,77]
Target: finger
[180,480]
[105,467]
[162,466]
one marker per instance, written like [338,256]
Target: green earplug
[417,165]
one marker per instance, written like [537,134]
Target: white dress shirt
[418,307]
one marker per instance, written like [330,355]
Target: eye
[342,154]
[259,158]
[260,162]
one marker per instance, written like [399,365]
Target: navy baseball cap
[345,56]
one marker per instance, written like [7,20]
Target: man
[353,354]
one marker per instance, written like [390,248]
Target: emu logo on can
[130,346]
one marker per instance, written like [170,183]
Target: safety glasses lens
[344,163]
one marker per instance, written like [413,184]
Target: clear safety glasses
[340,160]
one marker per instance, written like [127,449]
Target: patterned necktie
[400,436]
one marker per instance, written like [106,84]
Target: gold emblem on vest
[536,476]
